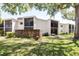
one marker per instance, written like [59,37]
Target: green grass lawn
[45,46]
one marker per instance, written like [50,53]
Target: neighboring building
[45,26]
[62,26]
[9,25]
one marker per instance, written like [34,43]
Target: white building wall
[43,25]
[18,25]
[13,25]
[63,28]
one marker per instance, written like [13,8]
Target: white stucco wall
[43,25]
[13,25]
[19,26]
[63,29]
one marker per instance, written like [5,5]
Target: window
[72,28]
[29,23]
[61,25]
[21,23]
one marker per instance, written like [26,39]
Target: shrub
[23,36]
[10,34]
[28,36]
[36,37]
[46,34]
[1,32]
[62,33]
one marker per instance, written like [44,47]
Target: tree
[1,20]
[52,9]
[55,7]
[16,8]
[68,14]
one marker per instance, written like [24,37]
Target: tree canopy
[52,8]
[15,8]
[68,14]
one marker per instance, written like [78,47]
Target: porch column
[13,25]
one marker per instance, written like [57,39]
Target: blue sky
[33,12]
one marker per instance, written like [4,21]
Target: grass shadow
[50,49]
[15,49]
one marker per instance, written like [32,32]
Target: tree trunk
[76,34]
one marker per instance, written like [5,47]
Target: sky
[33,12]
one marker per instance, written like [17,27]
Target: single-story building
[49,26]
[62,26]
